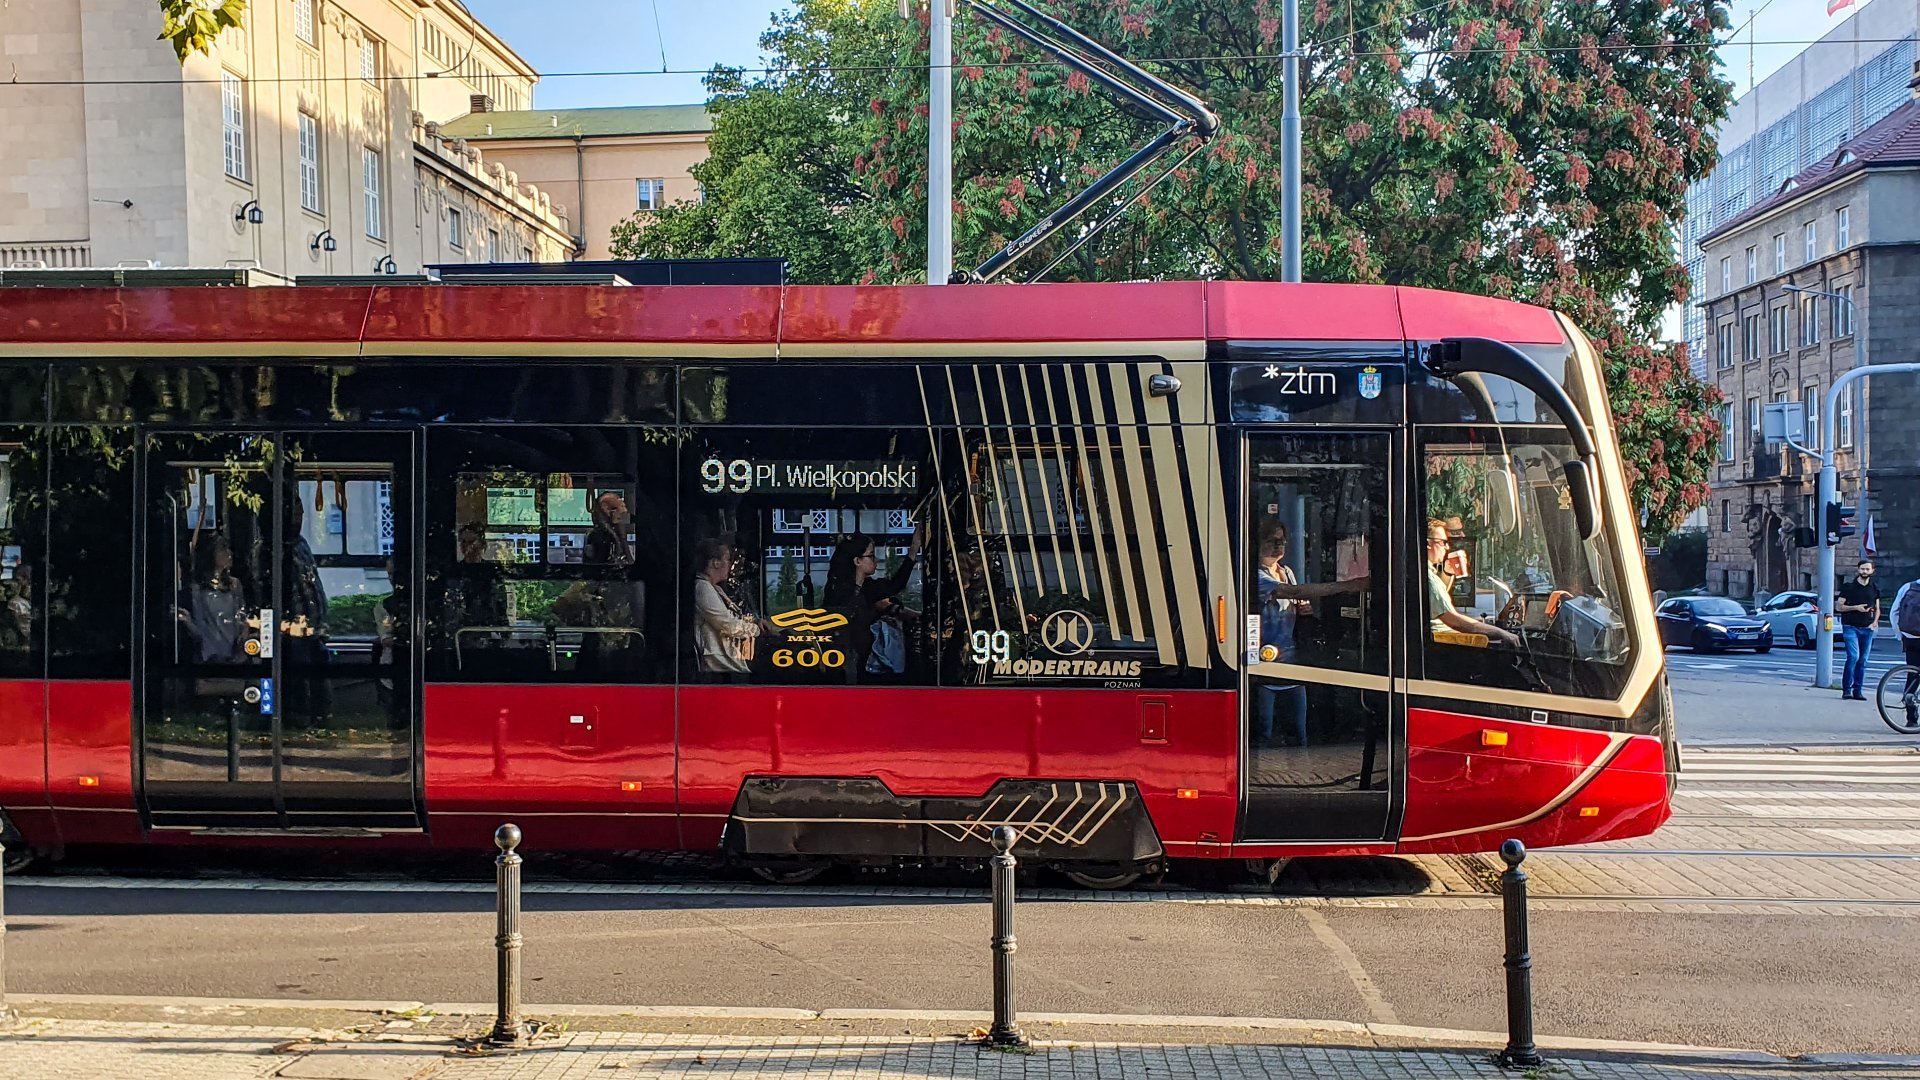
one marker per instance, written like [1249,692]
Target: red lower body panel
[1473,782]
[594,763]
[23,758]
[90,762]
[958,742]
[619,767]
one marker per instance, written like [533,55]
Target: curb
[1383,1036]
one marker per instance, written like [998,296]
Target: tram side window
[23,466]
[1072,561]
[551,556]
[806,557]
[89,584]
[1515,597]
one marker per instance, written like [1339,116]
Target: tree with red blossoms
[1537,150]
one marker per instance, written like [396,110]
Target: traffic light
[1839,522]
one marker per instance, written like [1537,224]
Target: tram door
[278,687]
[1318,586]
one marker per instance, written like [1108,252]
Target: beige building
[306,143]
[599,165]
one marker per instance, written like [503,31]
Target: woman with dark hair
[723,634]
[853,590]
[217,615]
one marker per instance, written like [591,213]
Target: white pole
[940,144]
[1290,143]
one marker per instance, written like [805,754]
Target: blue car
[1712,624]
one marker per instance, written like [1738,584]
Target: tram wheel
[794,874]
[1088,879]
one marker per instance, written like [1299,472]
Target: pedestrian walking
[1859,607]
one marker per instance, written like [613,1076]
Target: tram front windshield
[1517,598]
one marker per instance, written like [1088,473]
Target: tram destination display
[749,476]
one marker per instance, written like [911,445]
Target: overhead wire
[1274,57]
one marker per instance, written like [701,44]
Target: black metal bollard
[7,1016]
[1520,1051]
[509,1031]
[1004,1032]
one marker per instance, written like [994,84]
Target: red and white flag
[1866,540]
[1836,5]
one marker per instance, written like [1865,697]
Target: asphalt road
[1791,983]
[1749,699]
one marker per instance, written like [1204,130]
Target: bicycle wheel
[1899,707]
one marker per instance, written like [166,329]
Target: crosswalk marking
[1687,778]
[1796,769]
[1789,760]
[1821,796]
[1872,837]
[1822,813]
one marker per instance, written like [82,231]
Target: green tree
[1537,150]
[780,175]
[193,25]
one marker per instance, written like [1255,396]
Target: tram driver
[1446,621]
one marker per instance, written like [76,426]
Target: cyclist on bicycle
[1906,622]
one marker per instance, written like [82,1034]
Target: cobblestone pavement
[46,1048]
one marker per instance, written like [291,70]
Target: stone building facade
[313,118]
[1834,89]
[1847,225]
[601,166]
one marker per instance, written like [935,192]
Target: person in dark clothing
[1859,607]
[853,590]
[309,696]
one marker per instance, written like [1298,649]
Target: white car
[1794,616]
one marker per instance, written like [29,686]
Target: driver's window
[1513,595]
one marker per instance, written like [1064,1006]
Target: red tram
[1148,571]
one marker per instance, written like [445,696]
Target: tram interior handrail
[1456,359]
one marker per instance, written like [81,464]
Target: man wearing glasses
[1440,587]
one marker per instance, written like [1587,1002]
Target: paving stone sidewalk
[48,1047]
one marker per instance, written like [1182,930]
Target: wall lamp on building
[385,265]
[324,241]
[249,213]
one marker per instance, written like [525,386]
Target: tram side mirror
[1586,517]
[1503,502]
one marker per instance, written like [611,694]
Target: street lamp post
[1830,474]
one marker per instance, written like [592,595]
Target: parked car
[1796,616]
[1712,623]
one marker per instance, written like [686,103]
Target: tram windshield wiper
[1184,114]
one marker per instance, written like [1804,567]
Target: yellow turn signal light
[1186,793]
[89,781]
[630,785]
[1589,811]
[1493,738]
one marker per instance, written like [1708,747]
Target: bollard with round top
[509,1031]
[1005,1031]
[1520,1051]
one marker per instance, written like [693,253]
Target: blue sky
[619,35]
